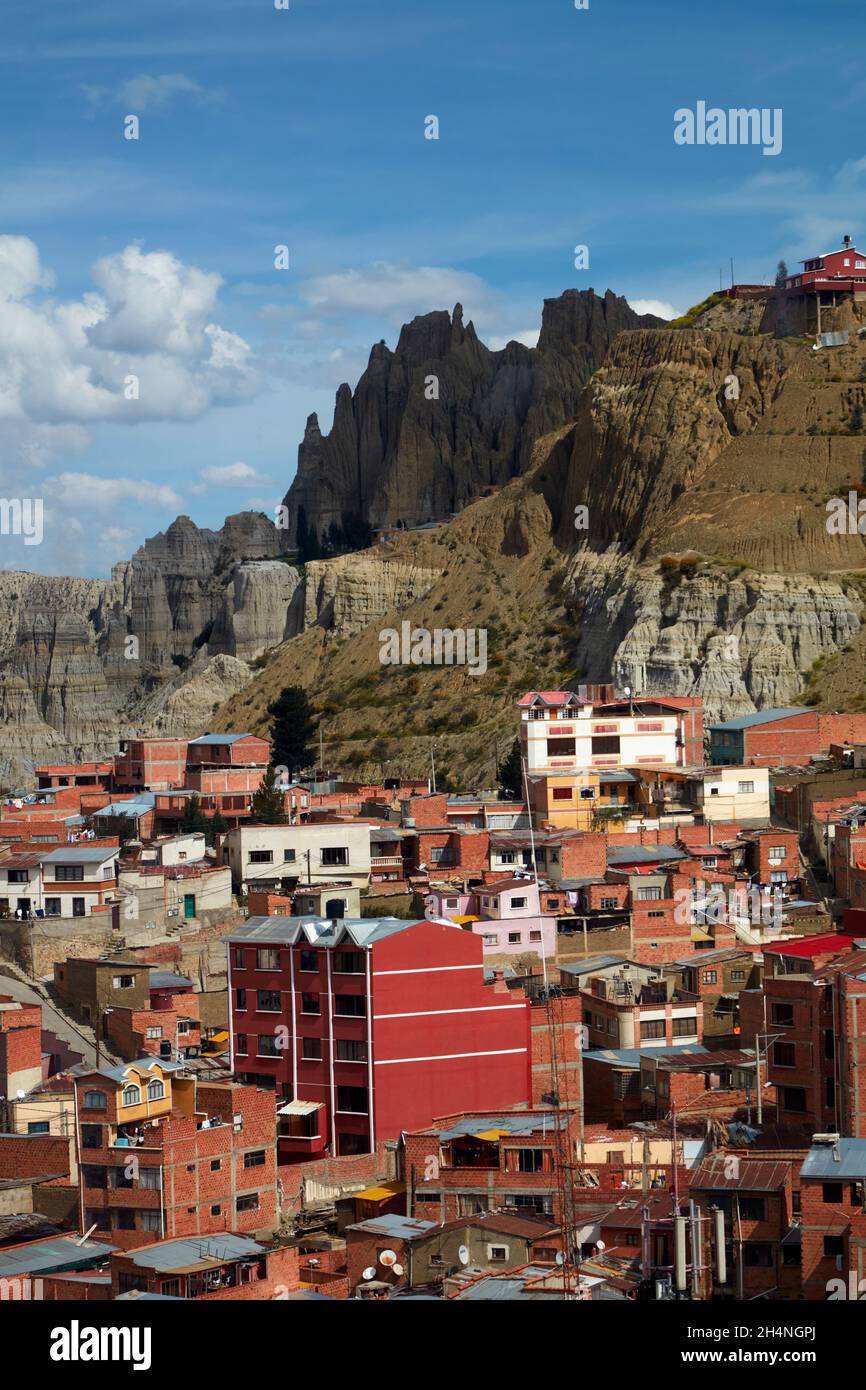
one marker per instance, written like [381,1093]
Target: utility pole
[767,1038]
[432,769]
[321,750]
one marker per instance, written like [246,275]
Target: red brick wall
[30,1156]
[819,1218]
[583,855]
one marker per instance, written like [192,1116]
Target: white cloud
[660,307]
[232,475]
[150,318]
[89,491]
[529,337]
[146,93]
[397,292]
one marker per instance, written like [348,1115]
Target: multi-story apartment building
[367,1027]
[513,917]
[560,732]
[280,858]
[631,1005]
[833,1218]
[162,1154]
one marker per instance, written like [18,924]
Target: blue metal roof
[516,1122]
[764,716]
[631,1056]
[134,806]
[822,1162]
[177,1254]
[53,1254]
[81,854]
[320,931]
[217,738]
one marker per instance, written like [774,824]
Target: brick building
[164,1154]
[761,1253]
[782,737]
[833,1218]
[467,1164]
[224,1268]
[344,1019]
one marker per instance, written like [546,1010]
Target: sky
[154,357]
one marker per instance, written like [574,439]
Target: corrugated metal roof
[741,1175]
[90,854]
[821,1160]
[216,738]
[586,967]
[644,854]
[177,1254]
[631,1056]
[55,1253]
[393,1226]
[320,931]
[515,1123]
[765,716]
[162,979]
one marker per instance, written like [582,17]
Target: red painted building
[844,269]
[370,1028]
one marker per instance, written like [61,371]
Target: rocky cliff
[442,417]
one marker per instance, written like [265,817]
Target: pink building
[506,915]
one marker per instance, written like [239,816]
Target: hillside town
[594,1033]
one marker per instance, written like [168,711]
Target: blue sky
[305,127]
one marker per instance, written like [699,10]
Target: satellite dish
[463,1255]
[398,1270]
[627,690]
[560,1258]
[387,1258]
[600,1245]
[20,1094]
[369,1273]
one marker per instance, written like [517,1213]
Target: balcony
[386,861]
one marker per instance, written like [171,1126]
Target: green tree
[292,729]
[781,273]
[194,817]
[216,825]
[509,773]
[267,807]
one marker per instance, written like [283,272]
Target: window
[497,1254]
[561,748]
[52,907]
[784,1054]
[738,975]
[268,958]
[514,938]
[518,902]
[645,895]
[350,1051]
[310,1004]
[311,1049]
[249,1202]
[241,1044]
[261,856]
[535,936]
[240,957]
[122,981]
[214,1211]
[352,1099]
[608,903]
[753,1208]
[125,1221]
[601,746]
[562,793]
[783,1015]
[288,856]
[94,1177]
[757,1255]
[490,939]
[780,877]
[150,1220]
[131,1095]
[655,912]
[528,1161]
[41,1127]
[68,873]
[710,977]
[155,1090]
[95,1100]
[684,1027]
[240,998]
[256,1159]
[745,788]
[709,861]
[588,794]
[267,1046]
[91,1136]
[310,961]
[215,1165]
[652,1028]
[831,1192]
[150,1179]
[833,1246]
[348,963]
[154,1033]
[632,1238]
[268,1001]
[794,1098]
[335,855]
[349,1005]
